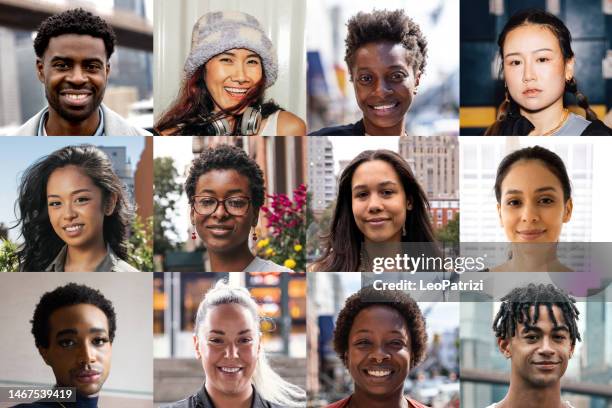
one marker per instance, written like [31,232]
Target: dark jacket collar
[201,399]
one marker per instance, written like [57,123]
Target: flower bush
[286,220]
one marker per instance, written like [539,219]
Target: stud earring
[254,236]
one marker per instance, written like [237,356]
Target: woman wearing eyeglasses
[226,190]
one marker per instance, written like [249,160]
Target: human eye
[513,202]
[398,76]
[364,79]
[206,201]
[547,200]
[543,59]
[362,343]
[65,343]
[215,340]
[387,193]
[361,194]
[54,203]
[82,200]
[397,343]
[100,341]
[253,61]
[513,62]
[238,202]
[60,65]
[245,340]
[94,66]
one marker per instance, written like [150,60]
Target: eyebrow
[532,52]
[75,332]
[231,54]
[82,190]
[381,184]
[245,331]
[370,331]
[527,329]
[213,192]
[62,58]
[537,190]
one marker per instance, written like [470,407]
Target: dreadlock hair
[516,308]
[536,16]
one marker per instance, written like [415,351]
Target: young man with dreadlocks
[536,329]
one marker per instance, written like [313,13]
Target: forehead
[544,321]
[222,180]
[69,177]
[229,318]
[374,172]
[529,38]
[82,316]
[529,175]
[77,47]
[379,319]
[381,55]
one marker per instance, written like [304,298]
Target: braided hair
[516,306]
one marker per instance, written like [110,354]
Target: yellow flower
[269,251]
[263,243]
[297,248]
[289,263]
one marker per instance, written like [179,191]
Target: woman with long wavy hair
[73,213]
[231,64]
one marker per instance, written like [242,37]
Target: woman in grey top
[225,188]
[74,215]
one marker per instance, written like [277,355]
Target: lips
[378,373]
[73,230]
[87,376]
[384,108]
[220,230]
[377,221]
[532,92]
[546,365]
[76,97]
[236,93]
[531,235]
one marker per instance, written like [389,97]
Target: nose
[528,72]
[87,354]
[239,75]
[69,212]
[382,88]
[375,204]
[231,351]
[77,75]
[530,213]
[220,211]
[379,354]
[546,346]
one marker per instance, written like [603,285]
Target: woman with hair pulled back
[227,340]
[538,67]
[73,213]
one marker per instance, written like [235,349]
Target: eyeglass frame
[193,199]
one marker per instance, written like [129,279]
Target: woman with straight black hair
[73,213]
[379,202]
[538,69]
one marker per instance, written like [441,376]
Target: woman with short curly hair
[386,54]
[380,336]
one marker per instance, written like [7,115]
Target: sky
[17,153]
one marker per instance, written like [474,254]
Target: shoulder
[263,265]
[122,266]
[415,403]
[290,125]
[30,128]
[339,404]
[597,128]
[354,129]
[115,125]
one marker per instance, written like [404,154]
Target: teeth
[74,228]
[76,97]
[236,90]
[379,373]
[230,370]
[381,107]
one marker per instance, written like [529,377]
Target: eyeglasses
[207,205]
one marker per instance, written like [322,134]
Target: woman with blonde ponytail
[227,340]
[538,69]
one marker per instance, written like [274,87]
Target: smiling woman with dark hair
[386,54]
[380,336]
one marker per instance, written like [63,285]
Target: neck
[239,400]
[534,258]
[232,261]
[522,395]
[395,130]
[80,259]
[362,399]
[381,250]
[544,120]
[58,126]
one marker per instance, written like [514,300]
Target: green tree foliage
[140,245]
[165,194]
[8,256]
[450,232]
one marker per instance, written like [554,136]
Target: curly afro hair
[74,21]
[384,25]
[226,157]
[69,295]
[400,301]
[516,308]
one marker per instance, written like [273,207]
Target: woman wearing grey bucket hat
[231,64]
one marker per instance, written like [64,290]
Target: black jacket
[518,125]
[354,129]
[201,399]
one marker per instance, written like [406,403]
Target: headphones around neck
[248,124]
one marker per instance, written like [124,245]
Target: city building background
[131,79]
[434,382]
[281,298]
[331,99]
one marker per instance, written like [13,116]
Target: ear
[417,77]
[108,69]
[255,217]
[44,354]
[192,216]
[40,73]
[409,204]
[567,213]
[196,346]
[504,347]
[501,222]
[111,203]
[571,353]
[569,68]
